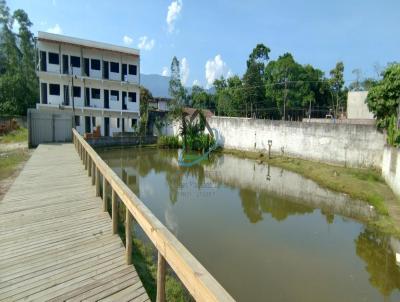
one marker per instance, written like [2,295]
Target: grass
[15,136]
[144,258]
[146,266]
[9,161]
[362,184]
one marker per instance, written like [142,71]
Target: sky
[214,38]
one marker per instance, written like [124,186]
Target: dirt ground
[6,183]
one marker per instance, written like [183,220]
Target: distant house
[159,104]
[357,109]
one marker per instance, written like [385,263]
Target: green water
[266,234]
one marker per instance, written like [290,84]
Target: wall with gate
[47,127]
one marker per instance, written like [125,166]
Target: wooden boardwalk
[56,242]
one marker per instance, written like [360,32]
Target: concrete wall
[356,106]
[350,145]
[122,141]
[343,144]
[391,168]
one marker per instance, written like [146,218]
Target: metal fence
[46,127]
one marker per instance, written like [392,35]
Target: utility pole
[284,99]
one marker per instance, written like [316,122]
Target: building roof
[190,111]
[44,36]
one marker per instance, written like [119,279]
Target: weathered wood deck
[56,242]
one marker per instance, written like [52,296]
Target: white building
[357,107]
[97,82]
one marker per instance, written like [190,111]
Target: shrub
[169,142]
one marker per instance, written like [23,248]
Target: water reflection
[296,232]
[375,249]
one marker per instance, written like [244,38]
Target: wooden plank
[56,240]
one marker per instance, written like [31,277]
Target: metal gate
[47,127]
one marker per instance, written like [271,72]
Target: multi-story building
[97,82]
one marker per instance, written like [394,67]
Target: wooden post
[128,237]
[114,213]
[86,160]
[160,278]
[97,182]
[93,173]
[89,171]
[104,194]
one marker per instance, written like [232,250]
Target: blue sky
[213,38]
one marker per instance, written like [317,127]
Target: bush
[393,134]
[199,142]
[169,142]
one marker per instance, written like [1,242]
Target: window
[114,95]
[95,93]
[95,64]
[132,97]
[54,58]
[117,122]
[133,69]
[93,121]
[54,89]
[77,92]
[77,120]
[133,123]
[75,61]
[114,67]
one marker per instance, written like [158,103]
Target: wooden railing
[198,281]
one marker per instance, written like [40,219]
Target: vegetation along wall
[345,144]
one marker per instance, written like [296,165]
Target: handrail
[198,281]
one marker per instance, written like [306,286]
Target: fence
[46,127]
[199,282]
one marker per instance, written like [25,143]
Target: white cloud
[165,71]
[216,68]
[145,43]
[174,10]
[196,83]
[185,71]
[127,40]
[56,29]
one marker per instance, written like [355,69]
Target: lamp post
[269,148]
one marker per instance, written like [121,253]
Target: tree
[176,89]
[18,81]
[292,87]
[145,97]
[200,98]
[229,96]
[253,79]
[384,101]
[337,84]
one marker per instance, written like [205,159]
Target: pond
[266,234]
